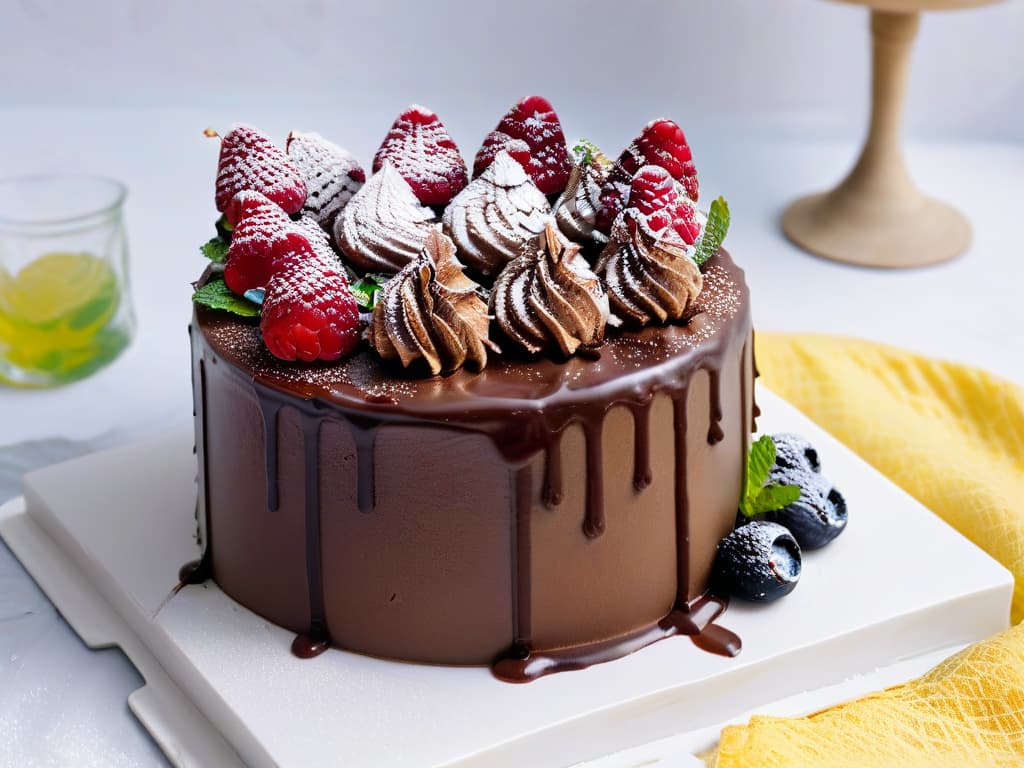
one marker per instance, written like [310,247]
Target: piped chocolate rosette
[548,299]
[577,207]
[431,311]
[397,243]
[492,218]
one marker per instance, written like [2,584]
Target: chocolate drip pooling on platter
[695,620]
[546,405]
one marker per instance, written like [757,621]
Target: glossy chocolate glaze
[291,550]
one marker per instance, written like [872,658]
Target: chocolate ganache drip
[548,299]
[649,278]
[495,215]
[383,226]
[430,310]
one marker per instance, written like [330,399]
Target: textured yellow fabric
[953,437]
[968,712]
[950,435]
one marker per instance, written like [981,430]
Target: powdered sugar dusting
[423,153]
[250,160]
[332,175]
[534,121]
[383,226]
[493,217]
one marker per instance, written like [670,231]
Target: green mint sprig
[216,295]
[366,290]
[758,497]
[586,152]
[216,250]
[715,230]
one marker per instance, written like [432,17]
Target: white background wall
[806,60]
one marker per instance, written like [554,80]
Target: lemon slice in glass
[73,292]
[54,313]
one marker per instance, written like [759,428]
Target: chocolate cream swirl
[384,225]
[547,299]
[576,208]
[431,311]
[650,277]
[496,215]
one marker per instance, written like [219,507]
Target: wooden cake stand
[877,216]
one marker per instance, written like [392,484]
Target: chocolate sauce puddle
[694,620]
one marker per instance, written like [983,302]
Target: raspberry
[533,120]
[308,312]
[495,142]
[651,190]
[261,241]
[423,153]
[656,195]
[249,160]
[661,143]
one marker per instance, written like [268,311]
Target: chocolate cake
[487,475]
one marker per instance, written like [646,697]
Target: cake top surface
[629,360]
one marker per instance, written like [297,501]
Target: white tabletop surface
[61,704]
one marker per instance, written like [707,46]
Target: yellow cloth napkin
[953,437]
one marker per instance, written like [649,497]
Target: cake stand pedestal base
[877,217]
[105,536]
[914,231]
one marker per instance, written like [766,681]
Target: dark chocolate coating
[565,512]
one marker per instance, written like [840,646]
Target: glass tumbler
[65,303]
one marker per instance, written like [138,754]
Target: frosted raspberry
[495,142]
[656,195]
[423,153]
[309,313]
[262,240]
[661,143]
[534,121]
[250,160]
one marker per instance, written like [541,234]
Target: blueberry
[818,516]
[795,451]
[759,561]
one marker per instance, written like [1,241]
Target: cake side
[530,508]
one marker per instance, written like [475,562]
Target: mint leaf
[714,231]
[774,497]
[216,295]
[216,250]
[586,152]
[759,498]
[366,290]
[759,465]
